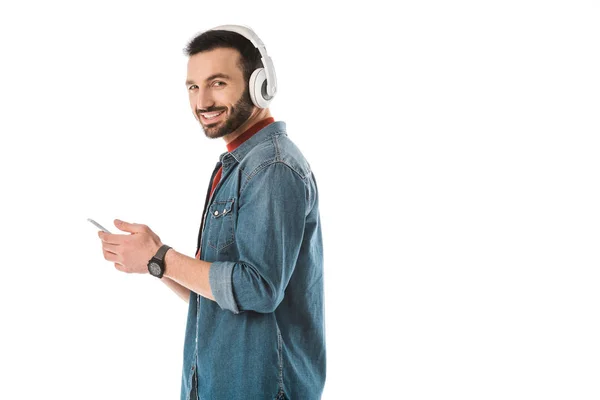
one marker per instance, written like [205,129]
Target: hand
[130,253]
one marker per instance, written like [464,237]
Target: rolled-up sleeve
[269,232]
[220,283]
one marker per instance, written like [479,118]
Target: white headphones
[263,82]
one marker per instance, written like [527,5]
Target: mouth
[211,117]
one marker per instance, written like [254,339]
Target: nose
[204,100]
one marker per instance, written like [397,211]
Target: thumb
[128,227]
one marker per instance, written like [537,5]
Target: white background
[455,146]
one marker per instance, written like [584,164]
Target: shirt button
[216,212]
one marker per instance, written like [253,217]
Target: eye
[218,83]
[192,87]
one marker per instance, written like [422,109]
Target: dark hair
[250,56]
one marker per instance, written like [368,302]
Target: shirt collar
[244,148]
[248,133]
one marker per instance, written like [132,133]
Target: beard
[240,112]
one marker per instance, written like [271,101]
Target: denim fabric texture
[264,336]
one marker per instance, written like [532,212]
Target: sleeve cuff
[219,278]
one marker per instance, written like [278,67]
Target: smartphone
[98,225]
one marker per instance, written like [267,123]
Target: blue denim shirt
[264,336]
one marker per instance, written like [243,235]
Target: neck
[257,115]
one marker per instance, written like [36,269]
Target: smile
[212,115]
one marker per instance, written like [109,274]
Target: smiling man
[226,119]
[255,327]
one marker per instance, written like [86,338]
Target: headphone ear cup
[258,80]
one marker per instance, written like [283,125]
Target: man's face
[218,93]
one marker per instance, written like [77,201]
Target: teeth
[212,115]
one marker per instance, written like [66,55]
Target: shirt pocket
[220,228]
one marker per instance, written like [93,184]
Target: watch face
[154,268]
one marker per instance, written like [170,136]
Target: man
[255,327]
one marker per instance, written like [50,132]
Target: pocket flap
[220,208]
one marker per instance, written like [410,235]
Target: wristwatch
[156,265]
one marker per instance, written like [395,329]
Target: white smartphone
[98,225]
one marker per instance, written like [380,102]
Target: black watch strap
[160,254]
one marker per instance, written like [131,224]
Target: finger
[129,227]
[113,248]
[109,256]
[111,238]
[120,267]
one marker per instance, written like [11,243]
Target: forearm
[179,290]
[189,273]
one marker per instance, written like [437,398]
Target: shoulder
[277,148]
[277,164]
